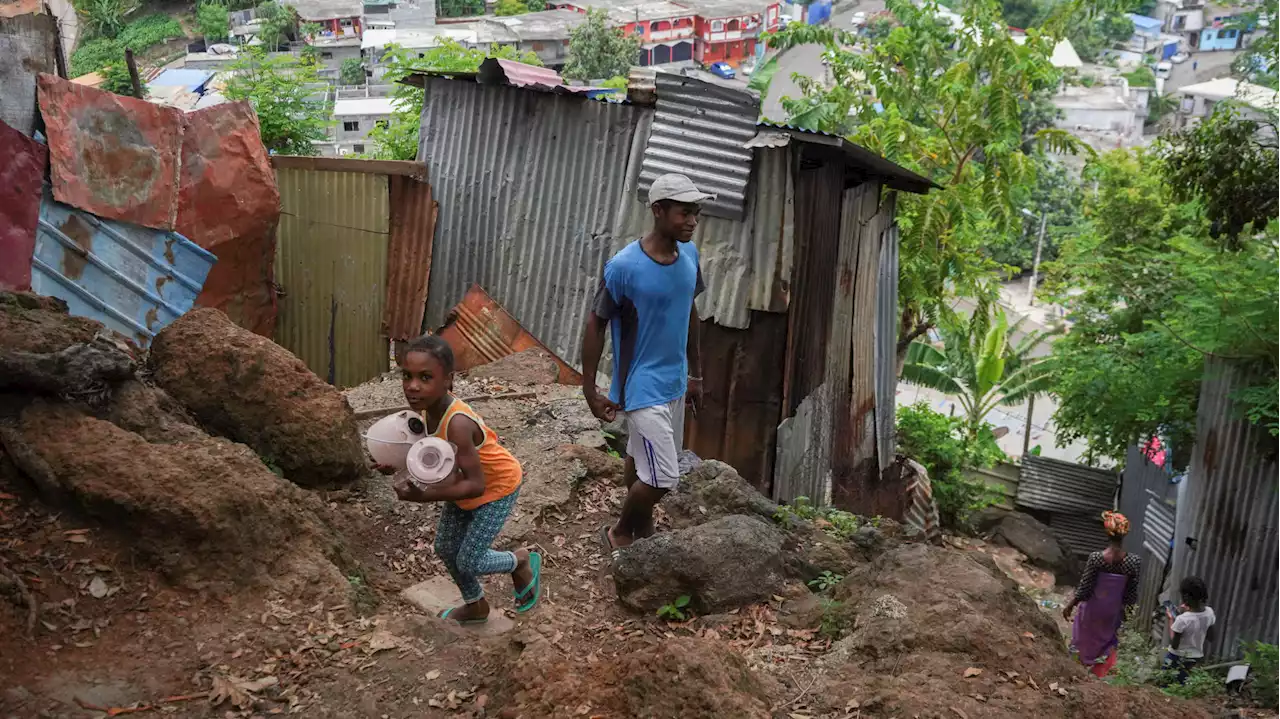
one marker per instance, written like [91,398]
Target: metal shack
[538,184]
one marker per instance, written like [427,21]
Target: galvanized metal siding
[746,265]
[1054,485]
[527,185]
[1083,533]
[413,226]
[886,339]
[803,467]
[133,279]
[1142,481]
[1227,517]
[871,221]
[700,130]
[332,264]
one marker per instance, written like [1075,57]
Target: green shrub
[1142,77]
[149,31]
[95,55]
[212,19]
[938,443]
[115,78]
[1264,670]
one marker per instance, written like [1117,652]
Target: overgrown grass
[139,35]
[838,522]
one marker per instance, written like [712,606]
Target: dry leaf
[98,588]
[853,704]
[959,713]
[1053,686]
[381,641]
[258,685]
[433,675]
[972,672]
[1062,691]
[1028,635]
[226,690]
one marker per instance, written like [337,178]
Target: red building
[728,29]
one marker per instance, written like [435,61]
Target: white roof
[1064,53]
[1229,88]
[420,38]
[364,106]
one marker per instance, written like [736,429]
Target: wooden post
[133,73]
[1026,432]
[60,60]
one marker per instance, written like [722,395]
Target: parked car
[1163,69]
[1180,57]
[722,69]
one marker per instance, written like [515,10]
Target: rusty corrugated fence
[1227,517]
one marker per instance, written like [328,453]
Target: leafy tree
[536,5]
[1229,163]
[979,364]
[278,88]
[459,8]
[1258,62]
[140,35]
[1151,295]
[115,78]
[1038,113]
[212,20]
[398,140]
[1091,34]
[1024,13]
[598,51]
[278,23]
[953,113]
[510,7]
[351,72]
[1056,191]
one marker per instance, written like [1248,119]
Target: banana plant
[978,364]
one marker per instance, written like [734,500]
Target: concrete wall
[1221,38]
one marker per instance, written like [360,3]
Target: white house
[1106,116]
[1199,100]
[353,119]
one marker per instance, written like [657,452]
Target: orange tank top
[502,471]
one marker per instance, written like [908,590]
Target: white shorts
[655,436]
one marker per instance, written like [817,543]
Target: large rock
[202,511]
[714,489]
[725,563]
[1042,547]
[249,389]
[39,324]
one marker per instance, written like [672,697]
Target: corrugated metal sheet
[1158,527]
[746,265]
[332,265]
[886,338]
[868,162]
[1141,481]
[117,157]
[21,175]
[518,74]
[701,130]
[413,228]
[28,45]
[1227,517]
[1054,485]
[133,279]
[803,468]
[528,184]
[1150,585]
[1082,533]
[856,450]
[480,331]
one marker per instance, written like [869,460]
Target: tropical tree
[980,364]
[1258,63]
[212,20]
[279,89]
[277,23]
[351,72]
[116,79]
[947,105]
[104,18]
[598,51]
[510,7]
[398,140]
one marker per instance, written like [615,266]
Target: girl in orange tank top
[478,498]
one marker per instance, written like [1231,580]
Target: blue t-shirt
[648,305]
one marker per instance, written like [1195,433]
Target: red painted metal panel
[21,173]
[480,331]
[113,156]
[228,203]
[413,228]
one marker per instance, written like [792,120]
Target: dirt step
[439,593]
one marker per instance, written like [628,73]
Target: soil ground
[112,637]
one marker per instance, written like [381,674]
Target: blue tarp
[818,12]
[190,80]
[133,279]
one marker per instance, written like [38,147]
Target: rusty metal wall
[331,263]
[803,467]
[819,191]
[700,130]
[886,339]
[1141,482]
[1227,517]
[746,265]
[737,421]
[28,45]
[413,226]
[527,184]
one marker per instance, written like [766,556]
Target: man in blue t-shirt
[646,300]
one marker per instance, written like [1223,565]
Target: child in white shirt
[1190,630]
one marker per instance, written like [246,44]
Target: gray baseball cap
[674,186]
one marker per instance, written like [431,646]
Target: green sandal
[464,622]
[535,585]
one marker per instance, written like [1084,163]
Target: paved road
[1202,67]
[807,59]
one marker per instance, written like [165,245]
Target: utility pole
[133,73]
[1026,432]
[1035,265]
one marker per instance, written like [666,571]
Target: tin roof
[1054,485]
[364,106]
[326,9]
[894,175]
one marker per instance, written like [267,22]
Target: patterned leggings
[463,541]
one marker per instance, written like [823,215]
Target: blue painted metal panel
[191,80]
[133,279]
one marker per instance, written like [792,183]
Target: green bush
[938,443]
[1142,77]
[115,78]
[1264,671]
[95,55]
[213,22]
[351,72]
[140,35]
